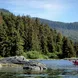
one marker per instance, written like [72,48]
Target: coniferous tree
[19,34]
[68,49]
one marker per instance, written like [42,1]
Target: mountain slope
[21,35]
[5,11]
[68,29]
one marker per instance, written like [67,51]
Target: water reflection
[56,69]
[50,73]
[14,75]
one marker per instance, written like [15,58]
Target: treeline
[67,29]
[22,35]
[62,25]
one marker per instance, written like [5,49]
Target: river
[56,69]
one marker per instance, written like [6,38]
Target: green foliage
[52,55]
[68,49]
[76,48]
[67,29]
[24,54]
[22,35]
[33,54]
[0,56]
[4,11]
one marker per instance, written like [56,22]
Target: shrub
[52,55]
[33,54]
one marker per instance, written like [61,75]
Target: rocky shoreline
[22,61]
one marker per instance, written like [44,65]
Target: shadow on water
[49,73]
[22,75]
[56,69]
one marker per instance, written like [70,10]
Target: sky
[55,10]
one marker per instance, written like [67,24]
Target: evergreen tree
[68,49]
[19,34]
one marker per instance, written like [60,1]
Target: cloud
[40,8]
[49,9]
[40,4]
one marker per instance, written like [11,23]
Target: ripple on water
[57,69]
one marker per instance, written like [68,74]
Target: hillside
[22,35]
[5,11]
[68,29]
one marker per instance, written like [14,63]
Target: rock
[14,60]
[34,66]
[21,58]
[0,65]
[28,65]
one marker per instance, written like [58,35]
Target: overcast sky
[55,10]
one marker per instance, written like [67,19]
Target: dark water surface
[56,69]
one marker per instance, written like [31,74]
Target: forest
[69,29]
[23,35]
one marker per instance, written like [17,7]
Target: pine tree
[68,49]
[20,34]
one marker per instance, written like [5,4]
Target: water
[56,69]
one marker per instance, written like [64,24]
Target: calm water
[56,69]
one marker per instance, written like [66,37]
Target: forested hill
[22,35]
[68,29]
[5,11]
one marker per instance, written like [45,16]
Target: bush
[33,54]
[52,55]
[0,56]
[24,54]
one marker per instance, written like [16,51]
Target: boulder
[14,60]
[28,65]
[34,66]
